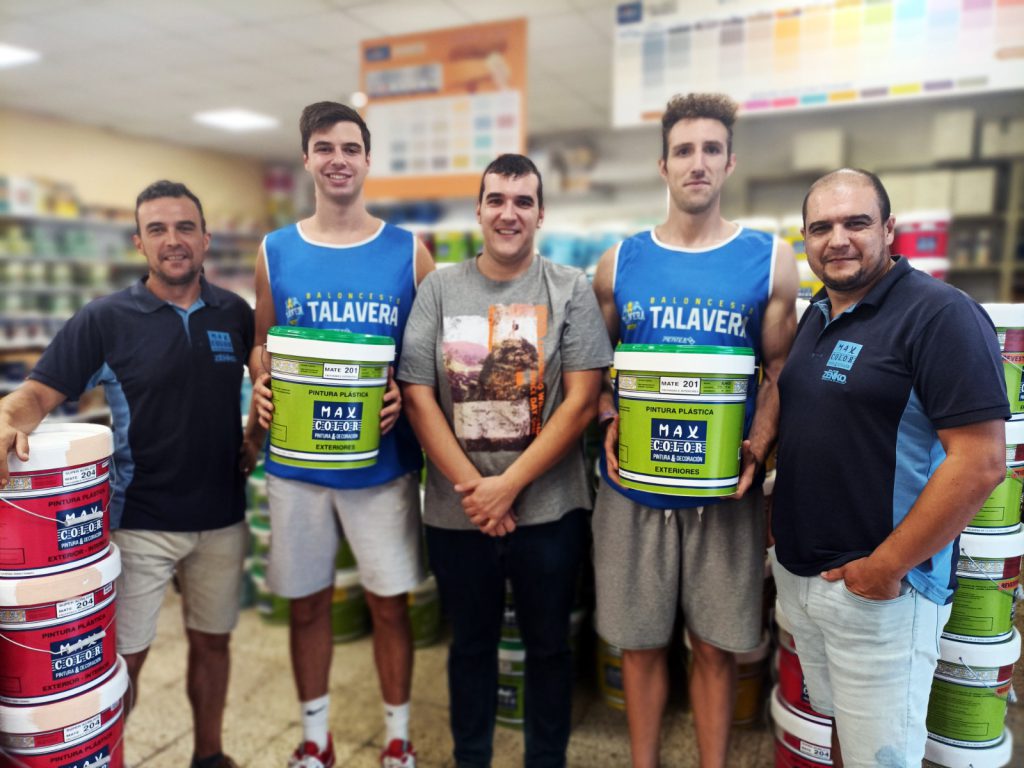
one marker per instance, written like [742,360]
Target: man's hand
[249,454]
[263,399]
[611,448]
[487,498]
[14,440]
[865,579]
[749,464]
[392,403]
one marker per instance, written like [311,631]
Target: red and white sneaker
[399,754]
[308,755]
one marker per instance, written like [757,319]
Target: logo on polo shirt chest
[843,356]
[221,347]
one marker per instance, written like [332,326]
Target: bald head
[847,175]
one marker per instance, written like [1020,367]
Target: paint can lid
[1005,315]
[52,446]
[981,655]
[993,546]
[951,756]
[64,712]
[1015,432]
[803,725]
[42,590]
[675,358]
[326,344]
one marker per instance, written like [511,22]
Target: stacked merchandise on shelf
[979,644]
[923,238]
[512,660]
[62,684]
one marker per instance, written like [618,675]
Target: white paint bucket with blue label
[972,681]
[81,731]
[938,754]
[53,513]
[681,416]
[328,389]
[57,634]
[1009,322]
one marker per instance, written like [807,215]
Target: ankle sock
[396,722]
[314,720]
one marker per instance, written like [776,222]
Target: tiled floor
[261,726]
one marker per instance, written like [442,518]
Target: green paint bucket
[968,702]
[1009,322]
[511,666]
[940,755]
[272,609]
[681,413]
[328,389]
[345,559]
[259,528]
[256,491]
[609,674]
[987,572]
[425,613]
[349,616]
[1001,511]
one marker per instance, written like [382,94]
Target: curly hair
[692,106]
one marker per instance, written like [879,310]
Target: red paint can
[53,513]
[57,634]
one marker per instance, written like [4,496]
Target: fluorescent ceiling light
[12,56]
[237,120]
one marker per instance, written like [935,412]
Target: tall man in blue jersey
[168,352]
[696,279]
[887,449]
[343,269]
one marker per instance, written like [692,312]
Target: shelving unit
[50,267]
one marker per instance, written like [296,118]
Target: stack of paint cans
[61,682]
[803,737]
[979,644]
[512,660]
[923,238]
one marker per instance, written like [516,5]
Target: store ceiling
[144,67]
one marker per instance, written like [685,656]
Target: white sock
[314,720]
[396,722]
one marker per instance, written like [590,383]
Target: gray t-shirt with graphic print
[495,352]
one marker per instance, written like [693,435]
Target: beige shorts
[209,569]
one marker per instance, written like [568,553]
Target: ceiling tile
[399,17]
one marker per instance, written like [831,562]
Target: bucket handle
[1012,592]
[102,634]
[10,503]
[977,677]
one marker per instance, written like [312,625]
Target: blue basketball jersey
[666,294]
[365,287]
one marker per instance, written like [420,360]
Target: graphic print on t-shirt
[495,368]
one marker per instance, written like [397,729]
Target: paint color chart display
[770,56]
[445,135]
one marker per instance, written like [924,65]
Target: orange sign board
[442,105]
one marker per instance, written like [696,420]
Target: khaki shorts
[382,524]
[209,569]
[710,561]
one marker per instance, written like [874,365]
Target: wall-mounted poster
[442,105]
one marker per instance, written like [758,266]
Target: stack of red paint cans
[61,681]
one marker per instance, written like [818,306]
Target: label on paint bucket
[988,571]
[328,390]
[1009,322]
[682,411]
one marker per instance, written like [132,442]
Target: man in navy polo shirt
[169,353]
[892,405]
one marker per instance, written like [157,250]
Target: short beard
[186,279]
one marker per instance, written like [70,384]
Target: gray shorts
[209,569]
[382,524]
[647,562]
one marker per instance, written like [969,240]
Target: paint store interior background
[100,98]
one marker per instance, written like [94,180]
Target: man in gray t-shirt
[501,370]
